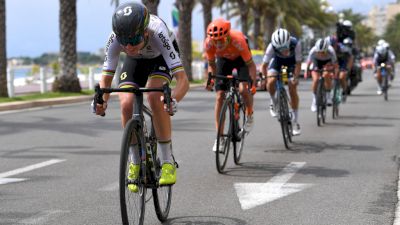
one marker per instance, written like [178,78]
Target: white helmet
[347,23]
[381,42]
[280,38]
[322,45]
[381,49]
[386,45]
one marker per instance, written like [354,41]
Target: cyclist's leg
[378,77]
[243,74]
[161,119]
[223,68]
[272,72]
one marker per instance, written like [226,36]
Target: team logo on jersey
[123,76]
[164,40]
[172,55]
[162,68]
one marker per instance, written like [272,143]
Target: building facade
[379,17]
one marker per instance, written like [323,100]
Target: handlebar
[99,92]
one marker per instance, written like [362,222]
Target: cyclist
[322,56]
[230,50]
[284,50]
[382,55]
[344,57]
[152,59]
[345,30]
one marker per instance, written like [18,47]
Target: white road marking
[42,217]
[254,194]
[5,180]
[110,187]
[397,213]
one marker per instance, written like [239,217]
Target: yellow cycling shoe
[133,175]
[168,174]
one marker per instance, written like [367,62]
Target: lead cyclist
[152,59]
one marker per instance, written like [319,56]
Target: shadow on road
[268,170]
[317,147]
[204,220]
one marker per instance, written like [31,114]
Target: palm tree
[3,53]
[207,12]
[68,81]
[185,8]
[152,5]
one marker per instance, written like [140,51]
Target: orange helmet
[218,29]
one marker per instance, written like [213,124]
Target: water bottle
[284,76]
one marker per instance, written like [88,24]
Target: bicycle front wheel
[284,118]
[132,203]
[241,134]
[385,86]
[224,136]
[336,99]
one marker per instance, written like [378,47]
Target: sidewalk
[18,105]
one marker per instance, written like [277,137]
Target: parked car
[367,63]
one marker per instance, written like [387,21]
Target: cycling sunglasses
[135,40]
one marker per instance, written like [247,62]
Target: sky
[32,25]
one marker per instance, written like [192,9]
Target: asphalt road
[59,165]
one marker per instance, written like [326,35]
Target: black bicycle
[284,115]
[231,122]
[140,128]
[385,80]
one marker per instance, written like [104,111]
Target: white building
[379,17]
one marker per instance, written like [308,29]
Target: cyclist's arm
[182,85]
[298,58]
[112,52]
[252,72]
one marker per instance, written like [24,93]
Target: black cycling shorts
[225,67]
[135,72]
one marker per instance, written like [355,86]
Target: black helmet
[129,22]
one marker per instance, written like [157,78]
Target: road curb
[8,106]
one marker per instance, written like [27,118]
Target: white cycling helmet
[322,45]
[280,39]
[386,45]
[347,23]
[381,42]
[381,49]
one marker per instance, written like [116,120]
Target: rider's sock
[295,115]
[314,96]
[165,147]
[134,154]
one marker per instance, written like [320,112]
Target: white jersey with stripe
[313,56]
[160,42]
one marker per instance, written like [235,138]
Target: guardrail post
[43,80]
[91,78]
[10,83]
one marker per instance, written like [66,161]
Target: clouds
[360,6]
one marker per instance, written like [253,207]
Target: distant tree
[392,35]
[185,8]
[115,3]
[207,12]
[3,54]
[152,6]
[68,81]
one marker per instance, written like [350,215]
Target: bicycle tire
[224,132]
[335,100]
[321,95]
[385,86]
[125,194]
[284,117]
[241,133]
[162,196]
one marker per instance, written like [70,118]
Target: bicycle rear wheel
[132,204]
[162,195]
[284,118]
[224,136]
[241,134]
[336,99]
